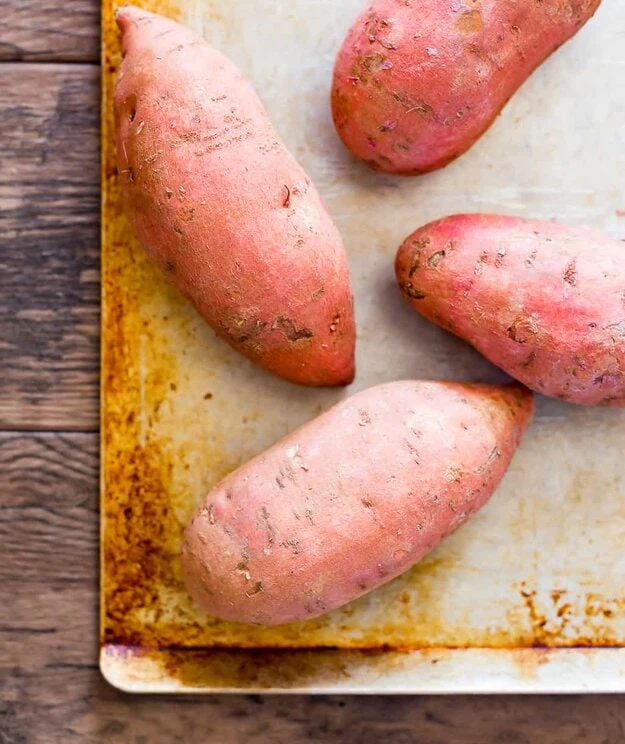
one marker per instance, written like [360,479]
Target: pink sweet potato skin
[351,500]
[544,302]
[225,210]
[417,82]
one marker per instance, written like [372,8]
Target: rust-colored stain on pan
[180,410]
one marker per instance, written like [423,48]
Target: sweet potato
[544,302]
[350,500]
[226,211]
[417,82]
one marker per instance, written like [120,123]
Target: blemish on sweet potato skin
[470,22]
[570,272]
[436,258]
[293,333]
[184,158]
[540,300]
[413,292]
[441,72]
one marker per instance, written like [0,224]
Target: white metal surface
[543,564]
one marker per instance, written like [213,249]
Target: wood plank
[51,689]
[45,31]
[49,248]
[48,575]
[49,508]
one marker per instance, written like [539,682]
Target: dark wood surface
[47,31]
[49,201]
[50,687]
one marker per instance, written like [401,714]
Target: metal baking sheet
[530,596]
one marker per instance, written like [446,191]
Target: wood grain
[48,519]
[48,571]
[51,689]
[45,31]
[49,246]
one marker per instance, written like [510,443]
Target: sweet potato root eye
[130,106]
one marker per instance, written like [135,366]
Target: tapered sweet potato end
[129,15]
[128,19]
[515,405]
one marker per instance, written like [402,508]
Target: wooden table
[50,686]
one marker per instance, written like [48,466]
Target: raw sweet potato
[544,302]
[226,211]
[350,500]
[417,82]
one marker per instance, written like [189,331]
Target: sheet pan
[530,596]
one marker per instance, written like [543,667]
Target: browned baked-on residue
[566,619]
[138,546]
[264,668]
[138,527]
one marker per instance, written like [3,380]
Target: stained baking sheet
[530,596]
